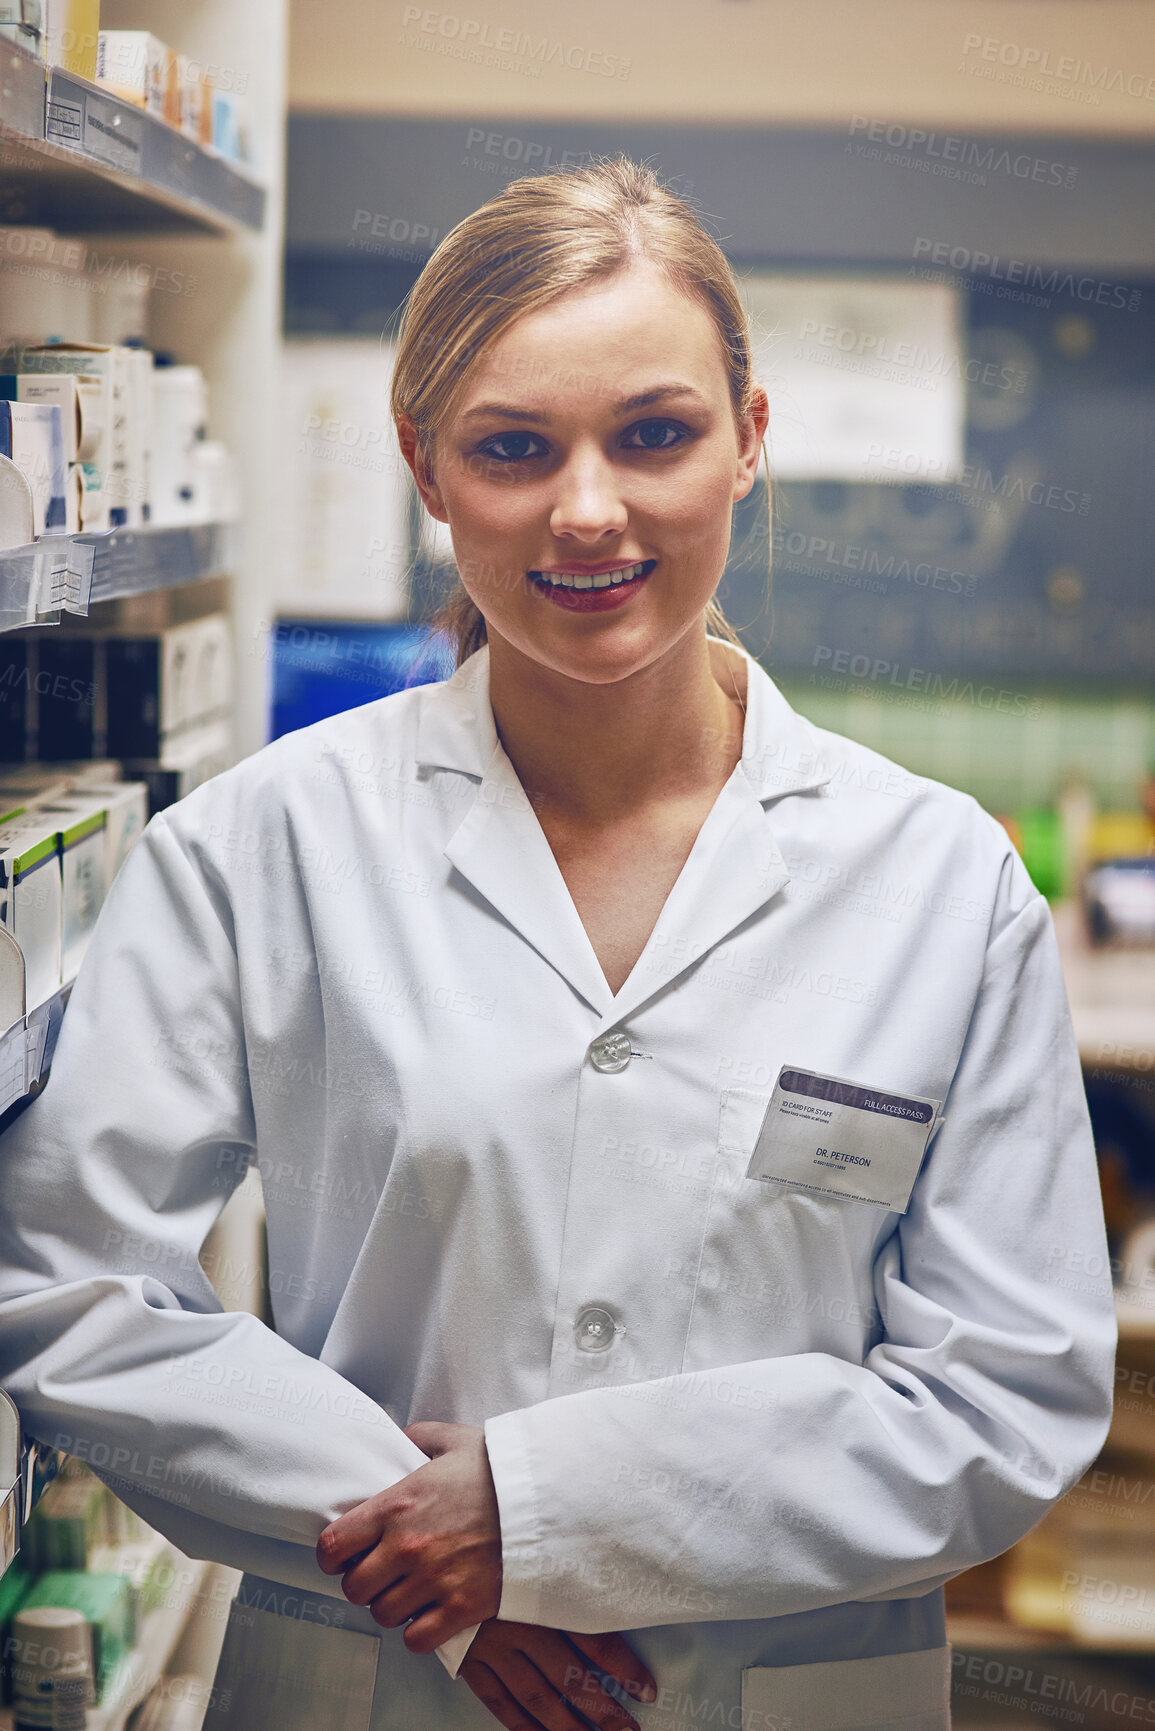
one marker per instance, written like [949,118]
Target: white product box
[180,404]
[90,499]
[141,69]
[31,437]
[110,365]
[126,803]
[210,696]
[31,900]
[161,684]
[81,820]
[17,516]
[80,399]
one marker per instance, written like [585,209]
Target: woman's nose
[588,504]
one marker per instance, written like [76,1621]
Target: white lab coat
[353,959]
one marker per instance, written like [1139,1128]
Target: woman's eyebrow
[510,412]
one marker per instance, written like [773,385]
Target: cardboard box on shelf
[81,819]
[195,759]
[231,135]
[17,510]
[71,29]
[126,808]
[139,68]
[31,436]
[31,900]
[80,399]
[109,365]
[17,710]
[162,685]
[66,697]
[196,99]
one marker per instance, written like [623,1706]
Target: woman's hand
[428,1548]
[530,1677]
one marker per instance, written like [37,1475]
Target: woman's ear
[419,463]
[753,431]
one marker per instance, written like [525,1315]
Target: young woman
[667,1112]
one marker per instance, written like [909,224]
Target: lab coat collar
[780,750]
[500,849]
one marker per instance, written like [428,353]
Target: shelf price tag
[112,133]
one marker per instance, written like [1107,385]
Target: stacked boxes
[140,69]
[67,695]
[63,838]
[204,103]
[108,369]
[109,440]
[80,399]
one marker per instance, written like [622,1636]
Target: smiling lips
[587,580]
[589,591]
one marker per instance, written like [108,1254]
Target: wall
[737,62]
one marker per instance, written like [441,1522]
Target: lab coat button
[610,1052]
[594,1329]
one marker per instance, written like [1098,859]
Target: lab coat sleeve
[220,1433]
[986,1397]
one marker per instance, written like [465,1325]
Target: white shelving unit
[94,169]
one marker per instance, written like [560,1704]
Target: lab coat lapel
[734,868]
[501,849]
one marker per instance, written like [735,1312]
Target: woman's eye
[653,435]
[517,455]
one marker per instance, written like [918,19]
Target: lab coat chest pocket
[782,1269]
[894,1692]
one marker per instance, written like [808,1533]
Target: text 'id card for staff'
[843,1139]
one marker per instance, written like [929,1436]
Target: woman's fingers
[614,1655]
[350,1535]
[538,1694]
[549,1680]
[532,1695]
[493,1695]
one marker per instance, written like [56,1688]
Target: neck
[600,752]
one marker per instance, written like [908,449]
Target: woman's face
[595,440]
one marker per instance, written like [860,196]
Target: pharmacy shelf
[79,159]
[43,578]
[132,561]
[66,573]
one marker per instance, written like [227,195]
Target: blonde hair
[541,236]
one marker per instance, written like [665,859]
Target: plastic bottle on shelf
[51,1649]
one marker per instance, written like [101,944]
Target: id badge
[841,1138]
